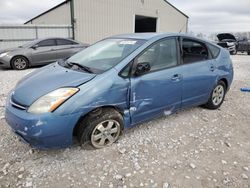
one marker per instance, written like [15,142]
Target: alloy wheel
[20,63]
[218,95]
[105,133]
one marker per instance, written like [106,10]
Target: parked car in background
[228,41]
[116,84]
[234,45]
[243,45]
[39,52]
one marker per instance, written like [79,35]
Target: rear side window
[214,50]
[49,42]
[65,42]
[193,51]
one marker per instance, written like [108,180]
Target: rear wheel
[248,52]
[19,63]
[100,128]
[217,96]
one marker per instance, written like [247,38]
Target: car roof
[147,36]
[47,38]
[143,36]
[150,36]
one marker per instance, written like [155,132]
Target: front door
[44,52]
[158,91]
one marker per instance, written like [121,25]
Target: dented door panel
[154,94]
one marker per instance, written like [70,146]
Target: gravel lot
[192,148]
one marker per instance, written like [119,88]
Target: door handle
[52,50]
[176,78]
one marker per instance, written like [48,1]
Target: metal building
[93,20]
[16,35]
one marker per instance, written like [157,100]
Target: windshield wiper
[85,68]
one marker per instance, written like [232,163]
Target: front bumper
[42,131]
[231,49]
[5,61]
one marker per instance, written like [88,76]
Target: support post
[72,13]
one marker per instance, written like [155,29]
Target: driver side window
[161,55]
[48,42]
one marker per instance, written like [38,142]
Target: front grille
[17,105]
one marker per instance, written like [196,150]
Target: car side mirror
[35,46]
[142,68]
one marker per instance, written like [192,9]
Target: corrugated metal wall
[97,19]
[16,35]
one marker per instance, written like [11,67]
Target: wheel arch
[225,82]
[15,56]
[94,112]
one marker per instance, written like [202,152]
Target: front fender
[113,92]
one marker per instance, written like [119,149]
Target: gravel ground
[192,148]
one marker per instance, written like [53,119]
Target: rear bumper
[42,131]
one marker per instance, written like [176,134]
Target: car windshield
[105,54]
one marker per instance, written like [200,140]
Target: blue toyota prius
[115,84]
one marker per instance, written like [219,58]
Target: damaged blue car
[115,84]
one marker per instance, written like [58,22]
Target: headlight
[51,101]
[3,54]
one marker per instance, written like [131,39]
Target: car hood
[223,36]
[9,50]
[45,80]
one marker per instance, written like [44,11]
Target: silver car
[39,52]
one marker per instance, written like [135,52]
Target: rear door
[44,52]
[66,48]
[198,72]
[158,91]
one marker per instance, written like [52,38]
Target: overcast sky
[216,15]
[205,16]
[19,11]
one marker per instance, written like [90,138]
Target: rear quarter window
[214,50]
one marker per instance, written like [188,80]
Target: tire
[248,52]
[19,63]
[217,96]
[100,128]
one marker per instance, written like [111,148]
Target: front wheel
[19,63]
[217,96]
[100,128]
